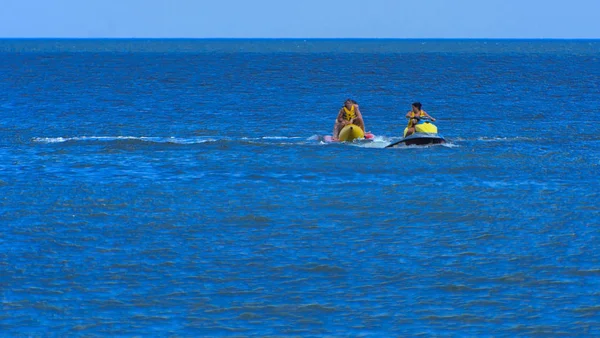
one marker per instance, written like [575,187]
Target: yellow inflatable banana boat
[350,133]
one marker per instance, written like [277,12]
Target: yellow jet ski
[425,133]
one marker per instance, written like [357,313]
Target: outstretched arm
[429,117]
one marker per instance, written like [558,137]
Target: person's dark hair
[418,105]
[349,100]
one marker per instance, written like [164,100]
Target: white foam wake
[177,140]
[504,139]
[272,138]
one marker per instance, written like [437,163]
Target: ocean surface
[183,187]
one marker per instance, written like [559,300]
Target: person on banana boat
[348,114]
[414,116]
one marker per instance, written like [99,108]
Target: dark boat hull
[419,139]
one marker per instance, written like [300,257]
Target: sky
[557,19]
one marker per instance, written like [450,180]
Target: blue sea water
[182,187]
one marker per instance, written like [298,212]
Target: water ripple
[132,203]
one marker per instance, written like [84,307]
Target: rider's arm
[358,114]
[340,118]
[429,117]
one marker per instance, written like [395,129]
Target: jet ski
[425,133]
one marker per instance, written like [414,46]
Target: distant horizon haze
[310,19]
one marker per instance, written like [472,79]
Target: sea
[185,187]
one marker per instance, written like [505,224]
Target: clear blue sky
[301,18]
